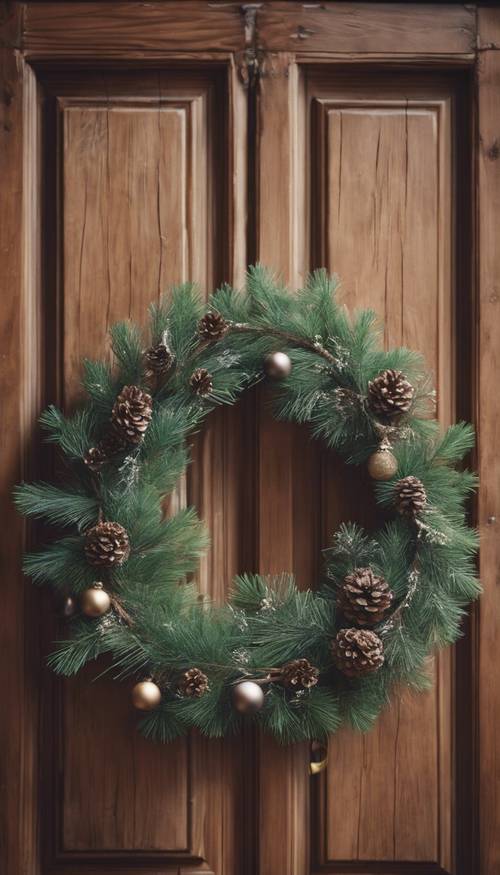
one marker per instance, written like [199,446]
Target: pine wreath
[289,659]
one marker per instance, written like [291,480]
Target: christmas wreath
[298,662]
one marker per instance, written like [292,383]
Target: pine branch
[61,507]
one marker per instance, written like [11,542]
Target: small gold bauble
[95,601]
[277,365]
[146,696]
[382,465]
[248,697]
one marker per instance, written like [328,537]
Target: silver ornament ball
[277,365]
[248,697]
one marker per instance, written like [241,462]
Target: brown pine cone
[95,458]
[299,674]
[357,652]
[411,497]
[364,598]
[212,326]
[111,444]
[193,683]
[132,413]
[390,394]
[107,544]
[159,359]
[201,382]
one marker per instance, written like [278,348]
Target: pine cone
[95,458]
[390,394]
[132,413]
[159,359]
[357,652]
[107,544]
[193,683]
[411,497]
[212,326]
[111,444]
[299,673]
[201,382]
[364,598]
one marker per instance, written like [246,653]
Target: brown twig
[397,614]
[272,676]
[120,610]
[301,342]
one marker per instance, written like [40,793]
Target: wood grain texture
[378,28]
[378,157]
[111,30]
[137,29]
[19,337]
[384,216]
[384,224]
[284,505]
[489,423]
[142,205]
[107,769]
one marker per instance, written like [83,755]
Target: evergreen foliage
[428,561]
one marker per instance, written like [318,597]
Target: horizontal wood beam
[376,28]
[110,30]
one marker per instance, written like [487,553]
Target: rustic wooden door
[147,143]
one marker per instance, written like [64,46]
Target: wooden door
[145,143]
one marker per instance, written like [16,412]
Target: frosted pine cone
[357,652]
[364,598]
[193,683]
[212,326]
[132,413]
[95,458]
[201,382]
[111,444]
[411,497]
[390,394]
[107,544]
[159,359]
[299,674]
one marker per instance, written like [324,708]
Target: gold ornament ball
[95,601]
[248,697]
[382,465]
[146,696]
[277,365]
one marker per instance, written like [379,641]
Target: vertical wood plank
[284,779]
[489,426]
[19,386]
[384,223]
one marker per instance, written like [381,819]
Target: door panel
[375,171]
[383,151]
[136,199]
[144,144]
